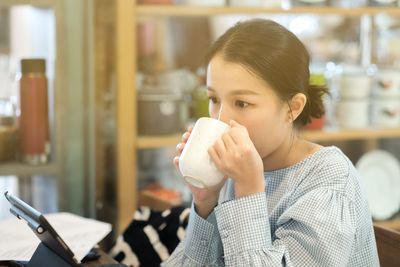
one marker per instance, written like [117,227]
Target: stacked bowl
[385,104]
[352,110]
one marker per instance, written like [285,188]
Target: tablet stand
[44,256]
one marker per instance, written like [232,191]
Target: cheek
[267,132]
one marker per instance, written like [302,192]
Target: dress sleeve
[316,230]
[202,245]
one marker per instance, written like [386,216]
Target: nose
[224,115]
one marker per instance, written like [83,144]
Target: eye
[241,104]
[213,99]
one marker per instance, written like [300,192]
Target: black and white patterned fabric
[151,236]
[314,213]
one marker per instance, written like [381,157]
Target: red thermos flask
[33,123]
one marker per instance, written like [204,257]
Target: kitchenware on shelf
[8,143]
[182,79]
[385,112]
[380,176]
[158,197]
[159,111]
[8,112]
[245,3]
[275,3]
[310,2]
[34,143]
[350,3]
[383,3]
[353,114]
[355,84]
[157,2]
[204,2]
[387,83]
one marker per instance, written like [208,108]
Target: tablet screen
[41,227]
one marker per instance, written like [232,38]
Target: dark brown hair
[277,56]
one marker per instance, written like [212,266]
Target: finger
[228,141]
[238,134]
[215,157]
[185,136]
[179,148]
[176,162]
[219,146]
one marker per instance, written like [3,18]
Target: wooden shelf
[315,136]
[347,135]
[190,11]
[391,224]
[19,169]
[158,141]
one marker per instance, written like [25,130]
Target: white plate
[380,173]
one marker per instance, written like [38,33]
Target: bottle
[34,144]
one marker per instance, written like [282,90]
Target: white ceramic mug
[195,163]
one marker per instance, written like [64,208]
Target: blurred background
[125,79]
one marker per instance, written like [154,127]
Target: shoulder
[329,168]
[327,161]
[332,161]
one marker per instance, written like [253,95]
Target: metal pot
[159,112]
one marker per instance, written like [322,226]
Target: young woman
[286,201]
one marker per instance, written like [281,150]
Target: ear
[296,106]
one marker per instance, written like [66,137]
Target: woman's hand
[235,155]
[180,146]
[205,199]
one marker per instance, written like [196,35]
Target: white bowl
[387,83]
[385,112]
[355,86]
[353,114]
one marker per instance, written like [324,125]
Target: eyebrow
[237,91]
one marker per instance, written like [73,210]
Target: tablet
[42,228]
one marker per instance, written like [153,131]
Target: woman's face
[237,94]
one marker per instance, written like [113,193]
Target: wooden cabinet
[128,142]
[53,168]
[69,112]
